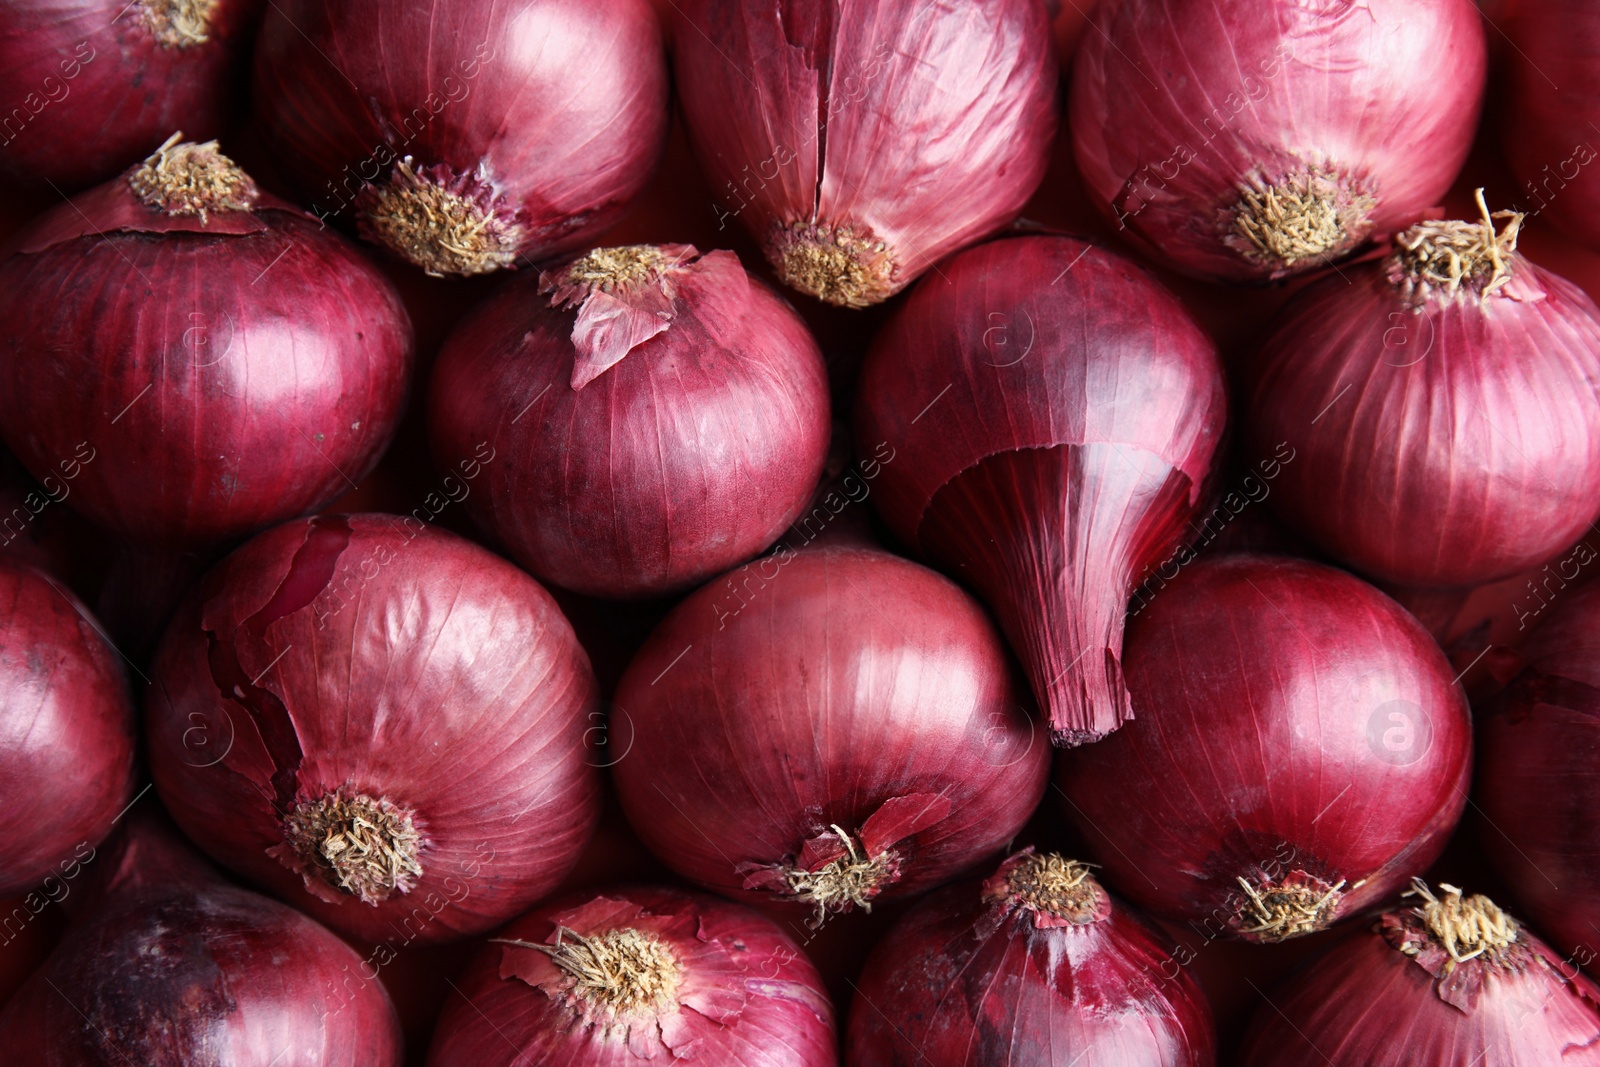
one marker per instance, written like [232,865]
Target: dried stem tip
[180,23]
[192,180]
[366,848]
[1308,216]
[607,269]
[623,971]
[851,881]
[443,224]
[1441,258]
[1298,905]
[1465,927]
[843,264]
[1062,887]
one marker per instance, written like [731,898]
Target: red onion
[1554,106]
[1300,751]
[1037,966]
[638,974]
[88,87]
[667,430]
[66,731]
[465,134]
[861,142]
[1442,405]
[379,722]
[196,354]
[201,976]
[1450,981]
[1249,141]
[823,727]
[1539,775]
[1055,413]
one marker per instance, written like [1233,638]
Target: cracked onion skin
[859,142]
[738,991]
[1356,115]
[823,711]
[1295,729]
[635,461]
[1056,414]
[371,666]
[982,973]
[92,86]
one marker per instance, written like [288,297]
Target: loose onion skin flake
[1255,139]
[1299,750]
[381,723]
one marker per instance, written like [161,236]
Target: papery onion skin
[1539,775]
[743,993]
[522,132]
[1443,439]
[1055,415]
[1358,115]
[826,691]
[197,374]
[88,87]
[974,975]
[201,977]
[861,142]
[1368,1003]
[1294,728]
[635,467]
[397,671]
[66,731]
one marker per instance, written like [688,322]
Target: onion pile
[1053,414]
[668,428]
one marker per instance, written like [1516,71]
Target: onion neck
[624,971]
[1270,910]
[1300,219]
[844,264]
[183,179]
[356,845]
[440,221]
[180,23]
[1447,260]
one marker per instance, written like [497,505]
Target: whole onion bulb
[90,87]
[465,134]
[823,727]
[668,428]
[199,358]
[1037,965]
[66,732]
[380,722]
[1300,750]
[1253,139]
[1452,980]
[861,141]
[1442,404]
[1053,414]
[639,974]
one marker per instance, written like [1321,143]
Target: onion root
[442,223]
[843,264]
[186,179]
[365,848]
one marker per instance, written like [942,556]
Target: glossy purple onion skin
[1549,122]
[688,457]
[1052,414]
[1539,777]
[1288,717]
[1176,103]
[90,88]
[962,982]
[561,105]
[1450,446]
[213,977]
[925,126]
[808,690]
[203,383]
[66,731]
[406,662]
[777,1013]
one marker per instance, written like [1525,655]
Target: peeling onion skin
[1449,446]
[929,130]
[1055,415]
[1539,776]
[103,82]
[1293,727]
[201,977]
[393,661]
[970,978]
[834,688]
[746,994]
[552,112]
[66,731]
[688,456]
[1178,106]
